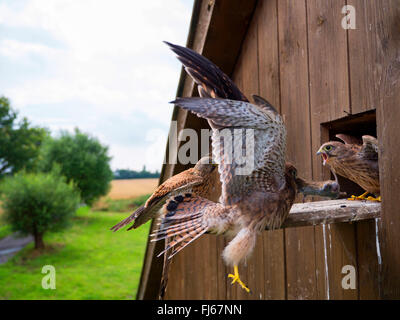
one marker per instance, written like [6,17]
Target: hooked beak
[323,154]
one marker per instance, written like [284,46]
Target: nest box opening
[356,125]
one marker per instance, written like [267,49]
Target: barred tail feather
[185,218]
[181,241]
[177,232]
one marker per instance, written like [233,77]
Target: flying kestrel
[355,160]
[248,204]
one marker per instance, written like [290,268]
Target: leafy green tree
[82,159]
[35,203]
[19,142]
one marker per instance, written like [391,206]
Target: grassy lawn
[5,230]
[91,262]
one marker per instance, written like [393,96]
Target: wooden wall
[297,55]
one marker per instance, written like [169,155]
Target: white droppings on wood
[378,254]
[330,238]
[378,245]
[326,263]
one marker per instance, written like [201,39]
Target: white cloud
[110,56]
[20,50]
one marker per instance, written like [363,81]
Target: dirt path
[11,244]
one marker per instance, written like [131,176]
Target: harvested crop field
[132,188]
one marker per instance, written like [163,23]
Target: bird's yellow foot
[378,199]
[236,278]
[361,197]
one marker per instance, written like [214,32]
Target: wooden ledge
[331,211]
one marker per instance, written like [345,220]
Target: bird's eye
[328,148]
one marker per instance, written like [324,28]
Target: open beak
[323,154]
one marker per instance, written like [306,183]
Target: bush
[82,159]
[35,203]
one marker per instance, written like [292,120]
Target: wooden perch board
[331,211]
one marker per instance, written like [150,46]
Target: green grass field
[91,262]
[5,230]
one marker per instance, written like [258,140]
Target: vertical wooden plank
[374,74]
[202,265]
[176,285]
[329,99]
[300,252]
[367,44]
[210,265]
[388,119]
[367,88]
[274,265]
[368,257]
[268,63]
[222,272]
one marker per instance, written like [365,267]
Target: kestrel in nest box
[355,160]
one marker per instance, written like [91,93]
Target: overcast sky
[98,65]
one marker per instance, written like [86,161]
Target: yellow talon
[236,278]
[378,199]
[361,197]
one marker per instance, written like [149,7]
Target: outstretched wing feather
[258,162]
[179,183]
[207,75]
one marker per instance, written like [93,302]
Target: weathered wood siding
[297,55]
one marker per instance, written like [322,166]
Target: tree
[35,203]
[19,142]
[82,159]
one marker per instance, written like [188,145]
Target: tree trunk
[39,244]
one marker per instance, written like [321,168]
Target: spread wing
[249,145]
[263,103]
[211,81]
[179,183]
[369,149]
